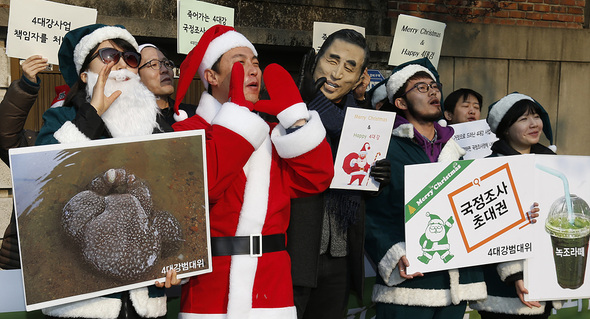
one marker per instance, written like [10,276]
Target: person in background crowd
[252,176]
[462,105]
[518,121]
[414,92]
[14,108]
[326,232]
[157,73]
[106,99]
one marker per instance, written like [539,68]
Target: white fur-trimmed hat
[498,109]
[213,44]
[77,43]
[401,76]
[96,37]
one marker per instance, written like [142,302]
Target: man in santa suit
[358,165]
[252,175]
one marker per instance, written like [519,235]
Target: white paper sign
[12,297]
[559,268]
[416,38]
[364,140]
[468,213]
[196,17]
[38,27]
[321,31]
[475,138]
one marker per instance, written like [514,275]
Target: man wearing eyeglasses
[414,93]
[157,73]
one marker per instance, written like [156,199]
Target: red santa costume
[357,166]
[252,176]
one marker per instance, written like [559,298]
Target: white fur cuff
[297,143]
[506,305]
[411,296]
[102,308]
[509,268]
[69,133]
[388,265]
[292,114]
[145,306]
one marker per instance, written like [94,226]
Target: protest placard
[416,38]
[38,27]
[475,138]
[11,295]
[114,214]
[321,31]
[196,17]
[557,271]
[364,140]
[468,212]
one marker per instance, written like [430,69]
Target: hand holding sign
[33,65]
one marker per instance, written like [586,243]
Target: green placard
[434,187]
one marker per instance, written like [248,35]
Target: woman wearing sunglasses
[106,99]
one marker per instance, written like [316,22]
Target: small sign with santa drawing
[364,140]
[469,212]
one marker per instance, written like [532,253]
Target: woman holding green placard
[518,121]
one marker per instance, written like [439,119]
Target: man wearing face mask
[326,231]
[157,73]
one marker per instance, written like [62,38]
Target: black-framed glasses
[108,55]
[156,64]
[424,87]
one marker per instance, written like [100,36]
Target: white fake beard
[134,112]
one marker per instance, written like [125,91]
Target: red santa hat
[60,95]
[365,148]
[213,44]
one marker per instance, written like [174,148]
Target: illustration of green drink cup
[569,228]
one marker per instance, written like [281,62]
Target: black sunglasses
[108,55]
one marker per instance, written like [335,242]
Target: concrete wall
[548,64]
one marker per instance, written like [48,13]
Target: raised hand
[360,90]
[236,87]
[307,86]
[33,65]
[282,91]
[100,101]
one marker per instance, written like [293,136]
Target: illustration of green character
[434,240]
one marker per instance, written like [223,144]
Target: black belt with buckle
[247,245]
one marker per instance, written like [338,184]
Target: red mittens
[236,87]
[284,94]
